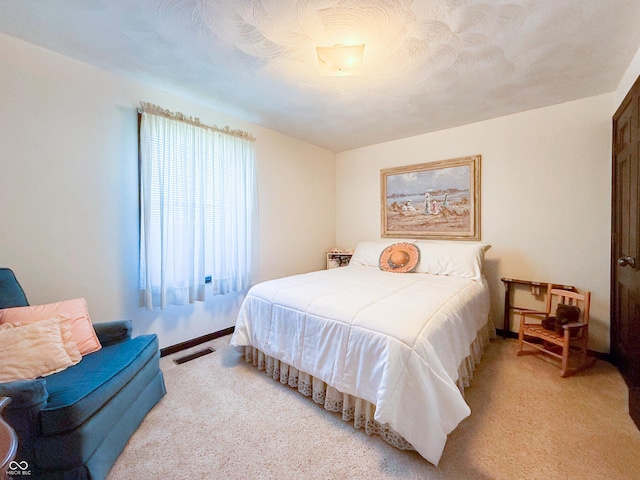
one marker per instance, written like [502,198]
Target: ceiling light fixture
[340,60]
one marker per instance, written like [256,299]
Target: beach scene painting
[432,200]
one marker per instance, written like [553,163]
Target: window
[198,209]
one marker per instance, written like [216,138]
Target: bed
[391,351]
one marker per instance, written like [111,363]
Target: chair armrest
[524,313]
[28,398]
[576,325]
[533,313]
[110,333]
[24,393]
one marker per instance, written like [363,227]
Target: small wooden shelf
[536,288]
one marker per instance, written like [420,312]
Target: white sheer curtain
[198,209]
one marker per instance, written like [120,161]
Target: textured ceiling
[428,64]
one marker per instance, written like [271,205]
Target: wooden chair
[569,345]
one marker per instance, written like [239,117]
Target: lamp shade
[340,60]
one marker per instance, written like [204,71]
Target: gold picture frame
[435,200]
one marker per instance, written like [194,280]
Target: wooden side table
[536,288]
[338,259]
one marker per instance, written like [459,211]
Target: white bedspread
[395,340]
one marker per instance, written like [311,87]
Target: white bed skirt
[354,409]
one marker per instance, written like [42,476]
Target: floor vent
[194,355]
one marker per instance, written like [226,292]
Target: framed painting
[436,200]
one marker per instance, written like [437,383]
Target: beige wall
[69,192]
[69,206]
[545,187]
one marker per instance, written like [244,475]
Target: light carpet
[224,419]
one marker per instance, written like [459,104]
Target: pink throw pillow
[78,317]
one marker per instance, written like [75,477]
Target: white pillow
[31,350]
[457,259]
[368,253]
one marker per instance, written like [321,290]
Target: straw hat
[400,258]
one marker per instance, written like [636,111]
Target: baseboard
[599,355]
[509,334]
[195,341]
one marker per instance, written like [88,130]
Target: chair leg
[585,360]
[583,353]
[520,339]
[564,371]
[584,333]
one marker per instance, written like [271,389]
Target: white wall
[69,192]
[545,188]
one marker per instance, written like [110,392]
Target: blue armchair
[75,423]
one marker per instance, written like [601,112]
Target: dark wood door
[625,269]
